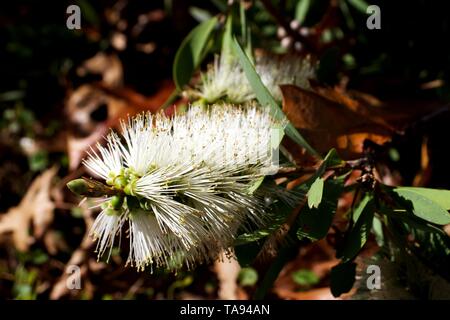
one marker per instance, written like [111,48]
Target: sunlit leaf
[428,204]
[315,193]
[191,52]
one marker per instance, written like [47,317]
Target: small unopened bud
[281,32]
[295,25]
[90,188]
[304,31]
[286,42]
[116,202]
[78,186]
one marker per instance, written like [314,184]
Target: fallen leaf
[327,123]
[36,209]
[108,66]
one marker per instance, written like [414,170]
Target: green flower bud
[116,202]
[78,186]
[120,182]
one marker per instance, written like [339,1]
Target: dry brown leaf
[108,66]
[36,209]
[326,123]
[79,258]
[88,100]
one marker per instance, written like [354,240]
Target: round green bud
[128,189]
[78,186]
[120,182]
[116,202]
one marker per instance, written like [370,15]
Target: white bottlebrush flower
[225,79]
[182,184]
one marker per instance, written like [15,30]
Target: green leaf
[305,277]
[315,193]
[199,14]
[360,207]
[377,228]
[247,277]
[191,52]
[360,231]
[332,159]
[255,185]
[315,222]
[440,196]
[429,205]
[227,39]
[265,98]
[342,278]
[301,10]
[360,5]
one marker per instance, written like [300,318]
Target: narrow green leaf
[265,98]
[360,208]
[301,10]
[315,193]
[255,185]
[360,5]
[425,204]
[191,52]
[243,21]
[342,278]
[360,231]
[227,39]
[347,15]
[377,228]
[199,14]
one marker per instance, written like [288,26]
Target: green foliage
[247,277]
[428,204]
[301,10]
[191,52]
[38,161]
[24,283]
[360,5]
[315,193]
[360,232]
[182,282]
[315,222]
[305,278]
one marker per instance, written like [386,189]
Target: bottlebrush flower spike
[225,78]
[181,184]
